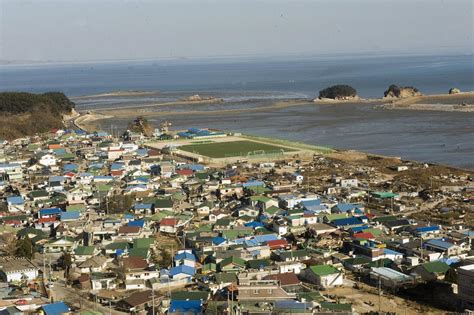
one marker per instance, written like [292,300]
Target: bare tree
[8,243]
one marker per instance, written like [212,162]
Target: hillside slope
[25,114]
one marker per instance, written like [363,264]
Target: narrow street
[78,299]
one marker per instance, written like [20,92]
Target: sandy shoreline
[87,121]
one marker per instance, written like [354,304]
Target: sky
[88,30]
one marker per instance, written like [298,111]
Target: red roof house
[366,235]
[277,244]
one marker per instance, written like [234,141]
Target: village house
[324,275]
[169,225]
[64,244]
[135,271]
[48,160]
[263,290]
[16,269]
[15,204]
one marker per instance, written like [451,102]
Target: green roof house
[82,253]
[232,264]
[143,242]
[431,271]
[208,268]
[324,275]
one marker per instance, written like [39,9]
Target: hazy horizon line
[237,57]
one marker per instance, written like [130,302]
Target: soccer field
[232,148]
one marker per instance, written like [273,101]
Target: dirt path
[366,299]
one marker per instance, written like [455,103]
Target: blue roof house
[253,183]
[70,167]
[185,307]
[312,204]
[345,207]
[139,223]
[194,167]
[15,200]
[142,152]
[425,230]
[182,272]
[442,246]
[143,208]
[15,203]
[185,258]
[55,308]
[70,215]
[346,222]
[49,212]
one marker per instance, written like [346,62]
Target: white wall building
[17,269]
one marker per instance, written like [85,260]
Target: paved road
[76,298]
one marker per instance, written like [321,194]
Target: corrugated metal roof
[389,273]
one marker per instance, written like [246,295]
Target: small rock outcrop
[454,91]
[338,92]
[395,91]
[199,98]
[194,98]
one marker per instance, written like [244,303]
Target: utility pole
[421,247]
[368,195]
[50,271]
[231,301]
[172,261]
[153,299]
[380,304]
[228,303]
[44,267]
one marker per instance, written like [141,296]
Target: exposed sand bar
[468,108]
[116,93]
[174,103]
[88,120]
[276,105]
[461,102]
[437,98]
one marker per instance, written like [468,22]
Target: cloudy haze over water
[109,30]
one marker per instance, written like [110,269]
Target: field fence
[257,154]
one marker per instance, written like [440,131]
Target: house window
[270,291]
[256,291]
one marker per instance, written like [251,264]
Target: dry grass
[14,126]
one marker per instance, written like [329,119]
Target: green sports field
[232,148]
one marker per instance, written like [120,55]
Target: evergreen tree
[25,248]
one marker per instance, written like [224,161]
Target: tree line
[22,102]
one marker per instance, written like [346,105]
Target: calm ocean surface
[441,137]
